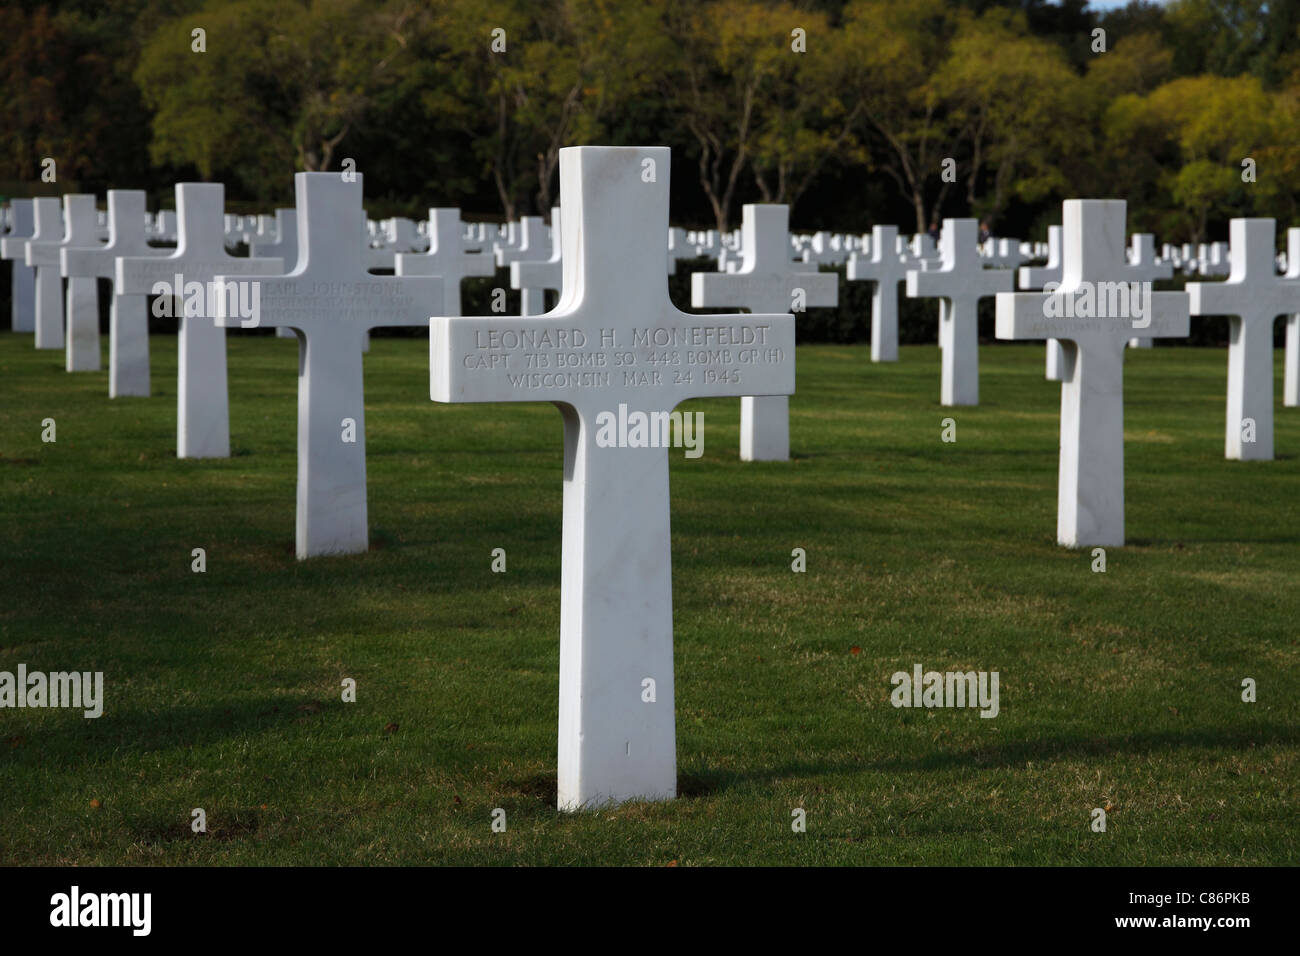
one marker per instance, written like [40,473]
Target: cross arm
[366,302]
[137,275]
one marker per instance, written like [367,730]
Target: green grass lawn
[223,688]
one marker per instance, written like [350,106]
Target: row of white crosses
[615,742]
[202,398]
[764,436]
[126,227]
[128,341]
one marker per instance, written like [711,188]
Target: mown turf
[223,688]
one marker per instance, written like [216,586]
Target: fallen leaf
[855,650]
[95,804]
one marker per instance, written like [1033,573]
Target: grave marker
[616,620]
[1252,296]
[768,282]
[185,276]
[13,247]
[531,247]
[48,299]
[330,300]
[128,325]
[886,267]
[527,275]
[1090,492]
[960,282]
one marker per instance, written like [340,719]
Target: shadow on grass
[543,787]
[1236,538]
[90,742]
[1078,745]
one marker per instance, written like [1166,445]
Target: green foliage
[277,88]
[854,127]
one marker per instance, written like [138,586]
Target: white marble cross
[81,305]
[960,282]
[1090,492]
[616,727]
[185,276]
[1252,296]
[768,281]
[886,267]
[13,247]
[331,300]
[529,274]
[48,299]
[128,326]
[446,259]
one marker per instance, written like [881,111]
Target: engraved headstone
[616,726]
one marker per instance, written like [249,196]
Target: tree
[1016,104]
[893,50]
[1189,136]
[547,80]
[69,96]
[279,87]
[732,85]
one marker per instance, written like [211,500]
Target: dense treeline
[852,131]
